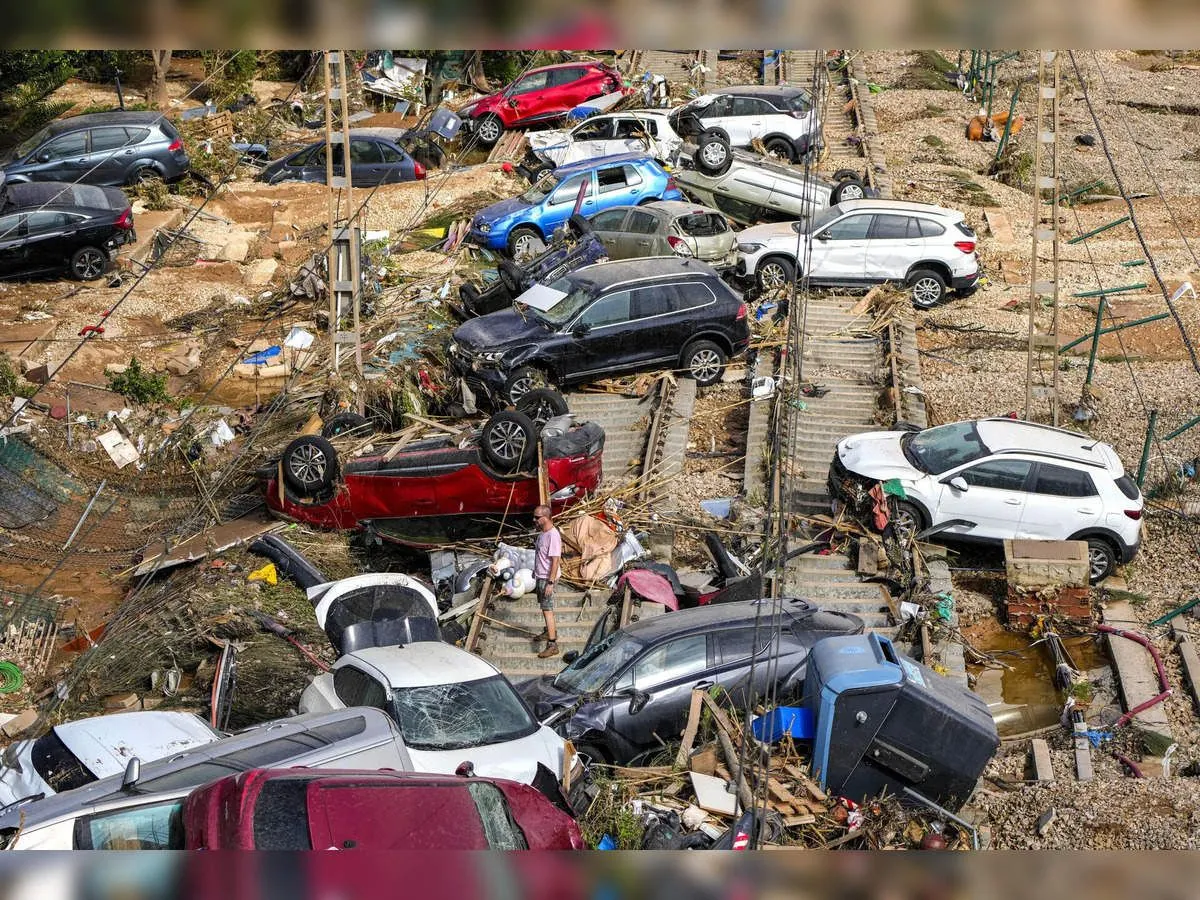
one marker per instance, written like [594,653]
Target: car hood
[539,140]
[501,209]
[768,233]
[516,760]
[876,455]
[542,695]
[496,330]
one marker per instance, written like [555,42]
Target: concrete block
[260,271]
[1191,662]
[1038,564]
[235,251]
[1043,766]
[1136,674]
[1083,754]
[21,721]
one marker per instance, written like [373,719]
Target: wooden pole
[331,253]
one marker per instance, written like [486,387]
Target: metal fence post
[1141,475]
[1095,340]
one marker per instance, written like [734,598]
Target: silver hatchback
[666,228]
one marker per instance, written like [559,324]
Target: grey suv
[111,148]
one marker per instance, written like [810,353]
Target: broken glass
[463,714]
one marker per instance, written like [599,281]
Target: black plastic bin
[885,722]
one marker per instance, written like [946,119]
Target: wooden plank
[796,821]
[864,305]
[568,764]
[406,437]
[692,726]
[890,602]
[722,720]
[703,761]
[626,608]
[809,785]
[779,792]
[1191,662]
[868,558]
[1043,767]
[432,424]
[485,596]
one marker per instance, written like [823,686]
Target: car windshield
[937,450]
[599,663]
[824,217]
[800,103]
[30,144]
[462,714]
[58,766]
[542,188]
[562,312]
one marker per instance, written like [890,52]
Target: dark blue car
[518,223]
[376,157]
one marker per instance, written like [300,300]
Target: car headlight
[484,227]
[453,347]
[750,247]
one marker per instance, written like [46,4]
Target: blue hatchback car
[518,223]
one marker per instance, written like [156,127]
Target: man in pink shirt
[547,554]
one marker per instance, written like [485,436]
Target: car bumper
[485,382]
[1126,552]
[964,283]
[489,239]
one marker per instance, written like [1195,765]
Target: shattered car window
[463,714]
[565,309]
[57,765]
[502,833]
[937,450]
[599,663]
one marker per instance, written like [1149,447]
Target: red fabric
[880,510]
[650,586]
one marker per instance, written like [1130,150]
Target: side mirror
[823,236]
[133,774]
[581,329]
[958,483]
[570,656]
[43,157]
[512,101]
[637,701]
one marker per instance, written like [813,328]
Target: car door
[397,165]
[609,228]
[12,244]
[366,163]
[633,135]
[839,250]
[527,97]
[593,138]
[994,499]
[619,185]
[48,242]
[749,120]
[738,650]
[566,90]
[666,673]
[893,245]
[1060,502]
[603,338]
[561,204]
[659,328]
[641,235]
[719,114]
[109,156]
[63,159]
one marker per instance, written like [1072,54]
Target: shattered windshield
[464,714]
[542,188]
[562,312]
[937,450]
[599,663]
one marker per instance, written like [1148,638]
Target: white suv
[782,117]
[857,243]
[990,479]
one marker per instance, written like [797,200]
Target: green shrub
[139,385]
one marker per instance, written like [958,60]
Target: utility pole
[344,279]
[1043,345]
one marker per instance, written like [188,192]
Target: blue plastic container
[796,721]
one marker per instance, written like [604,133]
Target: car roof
[40,194]
[586,165]
[1004,435]
[882,205]
[762,90]
[105,744]
[604,275]
[424,663]
[680,208]
[565,65]
[713,616]
[115,117]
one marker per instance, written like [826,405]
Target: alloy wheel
[1097,563]
[489,131]
[773,276]
[705,365]
[308,463]
[905,524]
[926,292]
[90,264]
[523,247]
[507,441]
[853,192]
[715,153]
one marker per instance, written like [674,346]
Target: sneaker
[551,650]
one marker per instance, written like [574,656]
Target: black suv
[611,318]
[636,683]
[111,148]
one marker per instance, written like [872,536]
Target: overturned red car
[438,491]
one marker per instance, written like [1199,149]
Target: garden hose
[11,678]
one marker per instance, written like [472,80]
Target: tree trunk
[158,90]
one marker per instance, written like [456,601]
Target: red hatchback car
[438,491]
[538,96]
[300,809]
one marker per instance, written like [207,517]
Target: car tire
[508,441]
[468,294]
[346,423]
[488,130]
[780,147]
[845,175]
[927,287]
[522,381]
[594,753]
[143,175]
[850,189]
[579,225]
[520,242]
[704,361]
[907,520]
[89,263]
[541,405]
[511,276]
[713,156]
[310,465]
[1102,559]
[775,272]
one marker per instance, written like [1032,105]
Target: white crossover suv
[781,116]
[990,479]
[858,243]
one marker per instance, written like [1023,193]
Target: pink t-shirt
[548,546]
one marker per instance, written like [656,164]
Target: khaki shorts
[544,602]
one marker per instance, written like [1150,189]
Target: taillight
[125,220]
[671,183]
[679,245]
[418,170]
[965,246]
[176,145]
[1134,514]
[742,312]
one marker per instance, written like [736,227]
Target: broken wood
[485,596]
[406,438]
[808,784]
[860,308]
[722,720]
[693,722]
[704,761]
[779,792]
[432,424]
[626,607]
[795,821]
[568,765]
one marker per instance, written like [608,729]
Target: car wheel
[522,381]
[143,175]
[468,294]
[705,362]
[511,276]
[579,225]
[713,157]
[88,263]
[542,405]
[522,243]
[489,130]
[310,465]
[850,189]
[845,175]
[927,287]
[1101,559]
[780,148]
[593,754]
[775,272]
[347,423]
[508,441]
[907,521]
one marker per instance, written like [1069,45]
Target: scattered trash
[299,339]
[118,447]
[267,573]
[721,507]
[222,434]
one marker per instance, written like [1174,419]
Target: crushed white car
[632,131]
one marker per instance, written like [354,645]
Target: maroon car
[301,809]
[440,490]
